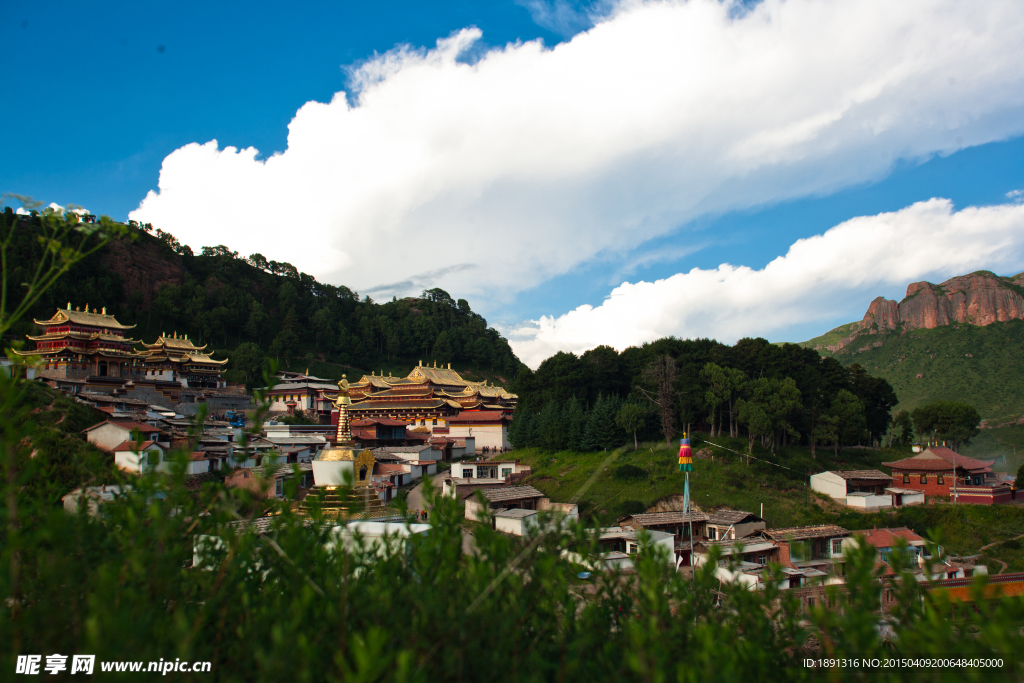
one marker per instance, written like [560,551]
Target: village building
[381,431]
[78,344]
[488,428]
[110,434]
[503,498]
[176,359]
[939,471]
[812,548]
[489,469]
[140,458]
[729,524]
[855,488]
[675,523]
[300,393]
[461,489]
[926,567]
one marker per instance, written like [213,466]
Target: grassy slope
[830,337]
[786,499]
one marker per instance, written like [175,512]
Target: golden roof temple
[77,343]
[177,358]
[343,479]
[426,392]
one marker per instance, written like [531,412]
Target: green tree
[256,324]
[901,421]
[717,394]
[575,424]
[630,418]
[950,421]
[659,379]
[848,411]
[248,358]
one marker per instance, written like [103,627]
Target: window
[712,534]
[762,560]
[906,478]
[940,479]
[467,474]
[837,546]
[506,472]
[279,487]
[434,422]
[924,478]
[153,457]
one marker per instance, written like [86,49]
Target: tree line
[774,394]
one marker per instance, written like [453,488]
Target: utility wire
[753,457]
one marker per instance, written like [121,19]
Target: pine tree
[575,424]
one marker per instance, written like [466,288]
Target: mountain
[958,340]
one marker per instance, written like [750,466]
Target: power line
[747,455]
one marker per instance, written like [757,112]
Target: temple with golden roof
[77,344]
[176,359]
[426,396]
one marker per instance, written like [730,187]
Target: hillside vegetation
[228,301]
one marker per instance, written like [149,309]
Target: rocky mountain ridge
[981,299]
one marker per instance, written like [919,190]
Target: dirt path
[986,547]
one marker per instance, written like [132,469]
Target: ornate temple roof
[174,342]
[84,336]
[93,319]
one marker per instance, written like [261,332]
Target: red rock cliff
[978,299]
[144,267]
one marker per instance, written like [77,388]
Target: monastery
[83,344]
[427,396]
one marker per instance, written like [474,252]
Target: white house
[139,458]
[619,545]
[855,488]
[518,522]
[489,428]
[487,469]
[110,434]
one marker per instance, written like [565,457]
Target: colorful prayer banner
[685,455]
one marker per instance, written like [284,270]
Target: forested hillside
[252,307]
[777,394]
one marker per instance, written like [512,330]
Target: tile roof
[937,458]
[800,533]
[727,516]
[887,538]
[132,446]
[511,493]
[861,474]
[84,318]
[670,517]
[466,417]
[383,421]
[128,425]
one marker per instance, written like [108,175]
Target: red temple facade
[78,344]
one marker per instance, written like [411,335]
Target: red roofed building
[939,471]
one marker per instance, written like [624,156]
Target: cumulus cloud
[816,278]
[530,161]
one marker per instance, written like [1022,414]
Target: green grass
[830,337]
[787,501]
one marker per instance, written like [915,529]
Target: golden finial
[77,308]
[69,305]
[307,372]
[104,310]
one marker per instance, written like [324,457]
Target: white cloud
[1015,194]
[817,277]
[531,161]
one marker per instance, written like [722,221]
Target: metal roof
[511,493]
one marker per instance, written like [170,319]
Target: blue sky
[568,189]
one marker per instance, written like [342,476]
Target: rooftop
[862,474]
[726,516]
[800,533]
[511,493]
[671,517]
[515,513]
[938,458]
